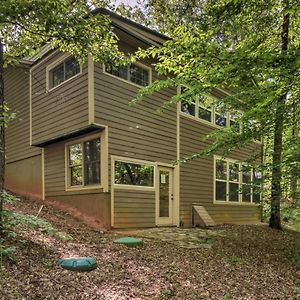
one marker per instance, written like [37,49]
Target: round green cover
[78,263]
[129,241]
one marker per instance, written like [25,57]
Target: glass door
[164,202]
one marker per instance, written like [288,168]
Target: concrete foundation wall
[92,209]
[24,177]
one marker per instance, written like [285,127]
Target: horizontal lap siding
[16,81]
[61,110]
[55,173]
[196,177]
[54,170]
[138,132]
[134,208]
[91,202]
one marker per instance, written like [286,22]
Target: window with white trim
[256,180]
[236,182]
[220,118]
[129,173]
[63,72]
[204,108]
[135,73]
[84,163]
[246,183]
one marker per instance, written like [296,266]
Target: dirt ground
[236,262]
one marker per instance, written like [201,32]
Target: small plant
[13,220]
[234,259]
[200,295]
[8,198]
[226,297]
[296,288]
[63,236]
[5,251]
[166,294]
[296,256]
[209,240]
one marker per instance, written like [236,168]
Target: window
[246,183]
[63,72]
[221,180]
[236,182]
[233,182]
[256,181]
[200,108]
[135,73]
[203,108]
[204,113]
[84,163]
[134,174]
[220,119]
[189,109]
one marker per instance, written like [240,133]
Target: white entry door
[164,196]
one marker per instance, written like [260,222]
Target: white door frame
[164,221]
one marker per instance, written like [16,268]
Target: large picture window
[128,173]
[63,72]
[84,163]
[236,182]
[135,73]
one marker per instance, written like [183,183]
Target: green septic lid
[78,263]
[129,241]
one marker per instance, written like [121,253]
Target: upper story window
[83,163]
[236,182]
[203,108]
[63,72]
[208,113]
[134,72]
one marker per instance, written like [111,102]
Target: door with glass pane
[164,197]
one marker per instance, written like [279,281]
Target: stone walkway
[191,238]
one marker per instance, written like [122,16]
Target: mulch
[248,262]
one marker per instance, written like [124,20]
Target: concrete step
[203,215]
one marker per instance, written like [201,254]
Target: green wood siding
[16,81]
[61,110]
[134,208]
[137,132]
[197,181]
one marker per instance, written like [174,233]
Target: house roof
[159,36]
[140,32]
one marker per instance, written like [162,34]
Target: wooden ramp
[199,211]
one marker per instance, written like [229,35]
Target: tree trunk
[2,140]
[275,221]
[276,166]
[294,173]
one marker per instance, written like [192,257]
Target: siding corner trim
[91,89]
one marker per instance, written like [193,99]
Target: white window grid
[240,182]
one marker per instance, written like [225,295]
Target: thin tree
[2,138]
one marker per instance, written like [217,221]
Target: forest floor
[241,262]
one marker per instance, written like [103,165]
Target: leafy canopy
[234,46]
[69,25]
